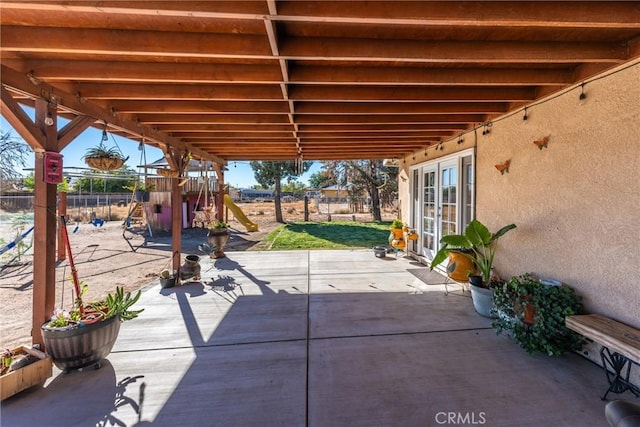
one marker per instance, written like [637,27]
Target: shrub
[551,305]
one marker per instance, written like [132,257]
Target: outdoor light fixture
[487,129]
[525,117]
[460,140]
[583,95]
[48,120]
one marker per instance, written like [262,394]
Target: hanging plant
[104,158]
[168,173]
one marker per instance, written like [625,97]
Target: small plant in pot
[478,244]
[167,278]
[533,314]
[218,236]
[104,158]
[396,234]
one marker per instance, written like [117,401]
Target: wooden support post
[44,248]
[221,191]
[62,211]
[176,222]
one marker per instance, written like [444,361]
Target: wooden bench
[620,348]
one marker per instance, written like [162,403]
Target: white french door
[442,200]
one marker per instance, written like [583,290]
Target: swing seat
[98,222]
[202,219]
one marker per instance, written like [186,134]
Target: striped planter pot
[79,347]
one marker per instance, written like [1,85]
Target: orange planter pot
[527,312]
[396,238]
[459,267]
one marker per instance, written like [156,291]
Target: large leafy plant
[477,243]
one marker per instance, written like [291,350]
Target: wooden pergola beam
[73,129]
[148,72]
[466,76]
[39,90]
[21,122]
[525,14]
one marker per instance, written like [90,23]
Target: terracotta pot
[75,348]
[527,312]
[218,238]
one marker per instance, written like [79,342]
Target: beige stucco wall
[576,203]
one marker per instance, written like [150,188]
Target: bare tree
[13,153]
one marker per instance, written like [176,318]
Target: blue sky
[239,174]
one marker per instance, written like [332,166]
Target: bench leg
[619,378]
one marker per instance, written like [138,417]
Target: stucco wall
[577,202]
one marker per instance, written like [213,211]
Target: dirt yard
[104,259]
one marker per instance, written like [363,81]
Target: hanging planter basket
[104,158]
[104,163]
[168,173]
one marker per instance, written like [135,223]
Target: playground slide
[240,216]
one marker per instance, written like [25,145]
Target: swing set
[204,216]
[137,204]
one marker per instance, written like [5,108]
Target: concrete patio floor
[317,338]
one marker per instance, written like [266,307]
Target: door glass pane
[467,191]
[448,193]
[429,210]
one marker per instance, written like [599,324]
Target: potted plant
[104,158]
[218,236]
[480,248]
[396,234]
[167,278]
[533,313]
[85,335]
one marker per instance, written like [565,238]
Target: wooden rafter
[270,78]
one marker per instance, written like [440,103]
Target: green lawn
[328,235]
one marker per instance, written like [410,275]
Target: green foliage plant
[397,223]
[479,241]
[118,304]
[101,151]
[551,305]
[219,225]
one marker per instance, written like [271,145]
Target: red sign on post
[52,168]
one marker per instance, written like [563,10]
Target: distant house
[335,192]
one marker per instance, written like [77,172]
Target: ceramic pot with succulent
[85,335]
[480,248]
[104,158]
[218,236]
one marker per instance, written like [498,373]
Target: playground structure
[239,214]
